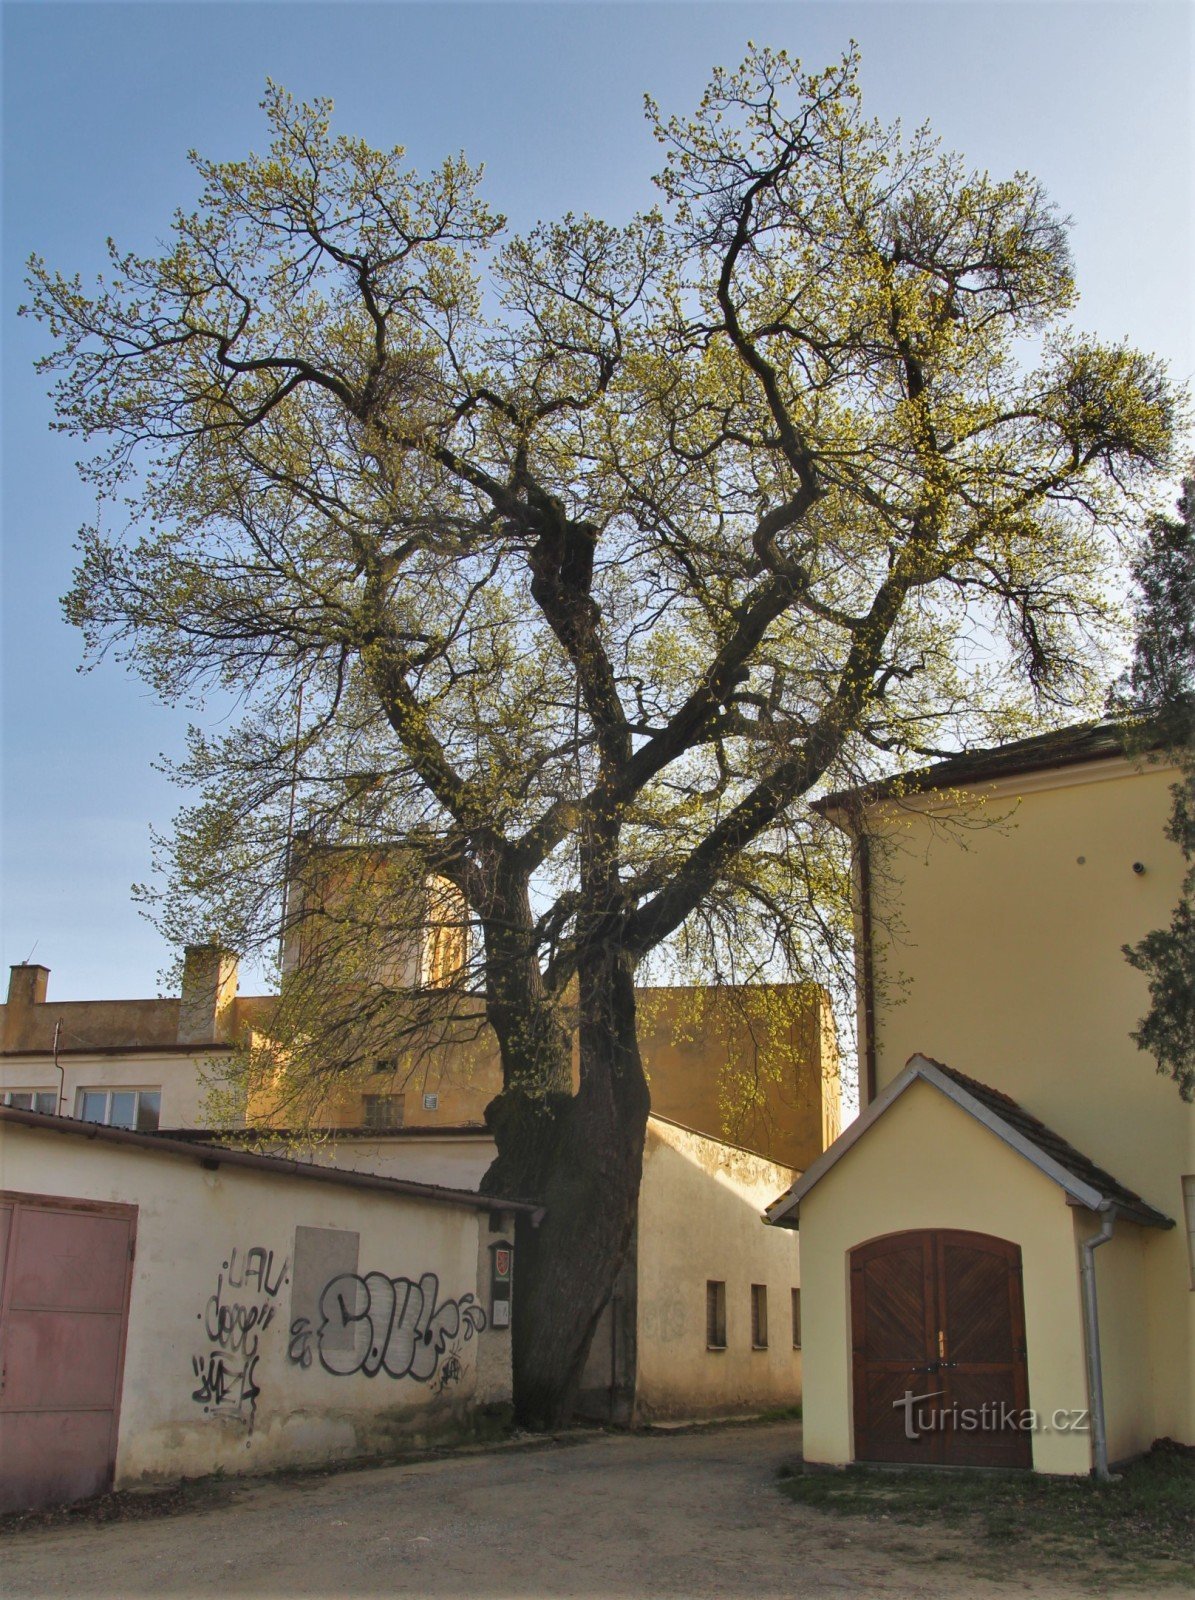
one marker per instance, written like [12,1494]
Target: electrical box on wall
[501,1273]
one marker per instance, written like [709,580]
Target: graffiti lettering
[255,1271]
[451,1372]
[226,1370]
[224,1387]
[395,1326]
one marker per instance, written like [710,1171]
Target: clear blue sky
[102,102]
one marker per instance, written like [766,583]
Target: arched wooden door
[938,1336]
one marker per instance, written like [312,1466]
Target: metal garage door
[65,1271]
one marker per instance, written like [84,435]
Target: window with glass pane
[139,1109]
[122,1112]
[93,1105]
[45,1101]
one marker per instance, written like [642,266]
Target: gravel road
[684,1515]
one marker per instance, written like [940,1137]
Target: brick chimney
[205,1011]
[27,984]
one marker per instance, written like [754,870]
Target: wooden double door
[938,1335]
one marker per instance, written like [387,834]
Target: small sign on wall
[501,1274]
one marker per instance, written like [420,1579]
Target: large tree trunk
[583,1158]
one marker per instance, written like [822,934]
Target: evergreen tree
[1158,691]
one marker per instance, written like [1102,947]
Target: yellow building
[755,1065]
[991,1269]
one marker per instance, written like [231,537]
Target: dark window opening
[759,1316]
[715,1315]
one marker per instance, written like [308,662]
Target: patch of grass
[781,1414]
[1140,1526]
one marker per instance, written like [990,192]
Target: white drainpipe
[1091,1332]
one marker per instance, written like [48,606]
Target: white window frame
[36,1095]
[136,1090]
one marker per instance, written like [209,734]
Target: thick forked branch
[793,776]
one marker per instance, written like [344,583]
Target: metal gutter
[867,942]
[1091,1344]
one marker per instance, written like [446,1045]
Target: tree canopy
[589,552]
[1156,698]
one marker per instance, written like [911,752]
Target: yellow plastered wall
[927,1164]
[998,951]
[757,1065]
[1128,1374]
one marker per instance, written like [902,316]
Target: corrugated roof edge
[215,1155]
[416,1130]
[1063,747]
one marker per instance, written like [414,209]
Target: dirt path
[690,1515]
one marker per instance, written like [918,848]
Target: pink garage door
[65,1269]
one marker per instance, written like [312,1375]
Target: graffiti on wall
[238,1311]
[375,1324]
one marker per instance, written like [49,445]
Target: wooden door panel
[894,1306]
[983,1351]
[937,1314]
[881,1413]
[892,1310]
[975,1303]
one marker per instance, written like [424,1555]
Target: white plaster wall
[189,1223]
[178,1077]
[700,1218]
[453,1162]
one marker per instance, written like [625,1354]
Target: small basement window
[759,1316]
[796,1319]
[715,1315]
[139,1109]
[43,1100]
[382,1110]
